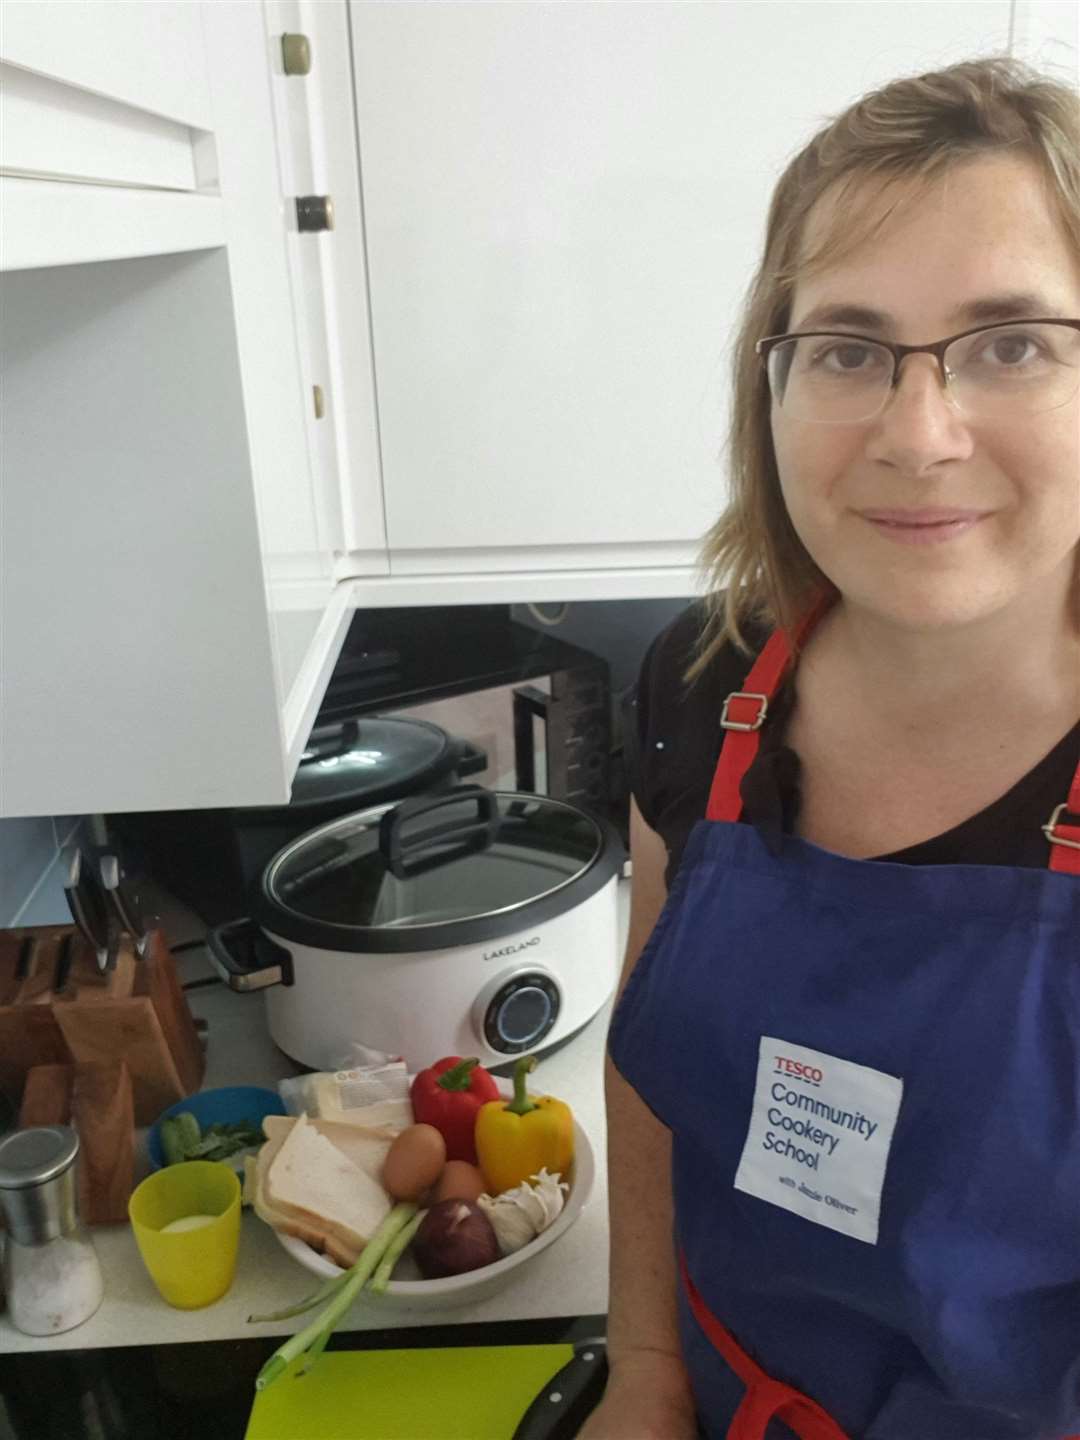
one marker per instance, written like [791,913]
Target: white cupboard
[317,154]
[106,133]
[168,601]
[563,205]
[298,527]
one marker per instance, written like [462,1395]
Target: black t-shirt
[672,742]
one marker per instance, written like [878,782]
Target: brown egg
[414,1162]
[459,1181]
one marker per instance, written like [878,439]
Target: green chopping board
[465,1393]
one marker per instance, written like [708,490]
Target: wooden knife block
[56,1008]
[96,1101]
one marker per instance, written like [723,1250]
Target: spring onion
[393,1254]
[311,1341]
[324,1292]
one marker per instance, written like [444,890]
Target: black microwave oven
[521,709]
[539,707]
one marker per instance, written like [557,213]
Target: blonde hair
[916,128]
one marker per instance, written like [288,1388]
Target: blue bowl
[217,1107]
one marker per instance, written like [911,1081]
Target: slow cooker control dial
[521,1012]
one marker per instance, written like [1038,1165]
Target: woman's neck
[1019,665]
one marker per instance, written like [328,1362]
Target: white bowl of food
[310,1244]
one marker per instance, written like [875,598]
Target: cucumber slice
[179,1136]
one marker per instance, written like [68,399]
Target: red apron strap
[765,1399]
[744,713]
[1063,832]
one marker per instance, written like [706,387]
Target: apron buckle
[1056,820]
[749,722]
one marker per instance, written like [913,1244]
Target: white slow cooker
[471,922]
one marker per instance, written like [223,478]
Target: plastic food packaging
[329,1094]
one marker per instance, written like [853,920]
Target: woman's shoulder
[671,728]
[674,649]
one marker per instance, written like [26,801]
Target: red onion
[454,1236]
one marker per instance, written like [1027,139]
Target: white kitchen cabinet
[298,525]
[317,155]
[168,602]
[563,205]
[106,132]
[150,56]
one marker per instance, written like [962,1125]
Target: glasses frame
[764,347]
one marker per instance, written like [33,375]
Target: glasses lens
[830,379]
[1000,371]
[1018,369]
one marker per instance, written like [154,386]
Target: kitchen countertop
[567,1279]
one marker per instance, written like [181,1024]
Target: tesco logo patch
[796,1070]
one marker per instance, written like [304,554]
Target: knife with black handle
[122,912]
[86,901]
[569,1397]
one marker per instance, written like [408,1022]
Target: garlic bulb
[512,1227]
[519,1215]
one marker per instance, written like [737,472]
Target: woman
[847,1064]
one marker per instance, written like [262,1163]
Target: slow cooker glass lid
[365,756]
[337,874]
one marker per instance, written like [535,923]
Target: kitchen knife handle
[85,903]
[569,1397]
[109,866]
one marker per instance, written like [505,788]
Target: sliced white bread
[312,1183]
[310,1228]
[367,1147]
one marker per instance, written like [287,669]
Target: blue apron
[871,1073]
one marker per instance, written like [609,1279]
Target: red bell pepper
[449,1095]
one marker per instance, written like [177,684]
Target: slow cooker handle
[346,738]
[403,854]
[471,759]
[249,972]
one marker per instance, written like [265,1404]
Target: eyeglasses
[1021,367]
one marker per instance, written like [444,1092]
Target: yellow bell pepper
[516,1138]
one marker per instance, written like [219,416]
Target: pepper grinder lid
[37,1183]
[33,1157]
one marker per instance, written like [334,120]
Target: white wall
[31,889]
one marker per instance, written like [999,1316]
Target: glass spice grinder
[52,1278]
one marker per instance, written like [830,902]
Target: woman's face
[986,230]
